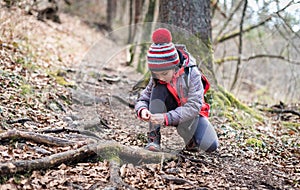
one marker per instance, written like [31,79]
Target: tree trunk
[190,24]
[193,17]
[110,12]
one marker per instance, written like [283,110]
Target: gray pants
[202,131]
[198,128]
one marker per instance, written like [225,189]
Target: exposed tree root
[110,150]
[36,137]
[115,179]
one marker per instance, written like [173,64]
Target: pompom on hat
[162,54]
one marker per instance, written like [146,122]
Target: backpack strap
[204,80]
[181,49]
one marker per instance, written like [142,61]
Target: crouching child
[174,96]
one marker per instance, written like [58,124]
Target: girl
[174,96]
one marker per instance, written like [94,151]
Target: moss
[3,179]
[236,103]
[62,81]
[225,59]
[58,75]
[224,104]
[291,125]
[142,67]
[26,89]
[111,154]
[254,142]
[27,63]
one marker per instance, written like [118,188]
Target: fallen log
[109,150]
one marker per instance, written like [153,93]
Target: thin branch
[70,130]
[229,19]
[237,71]
[273,57]
[235,34]
[215,6]
[289,27]
[258,56]
[21,120]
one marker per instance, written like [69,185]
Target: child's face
[165,76]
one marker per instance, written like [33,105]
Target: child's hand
[145,115]
[157,118]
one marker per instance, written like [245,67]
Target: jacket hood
[186,59]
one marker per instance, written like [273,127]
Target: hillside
[54,82]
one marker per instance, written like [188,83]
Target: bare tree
[232,37]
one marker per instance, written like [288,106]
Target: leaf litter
[262,156]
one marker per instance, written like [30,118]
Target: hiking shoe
[153,141]
[192,146]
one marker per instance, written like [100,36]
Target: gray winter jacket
[191,88]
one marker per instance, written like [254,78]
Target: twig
[282,111]
[197,160]
[68,130]
[123,101]
[235,34]
[177,180]
[215,6]
[21,120]
[258,56]
[272,56]
[229,19]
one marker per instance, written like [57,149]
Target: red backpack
[206,85]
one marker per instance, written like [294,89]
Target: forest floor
[51,78]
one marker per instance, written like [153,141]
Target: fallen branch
[106,149]
[69,130]
[281,111]
[36,137]
[130,105]
[177,180]
[183,157]
[21,120]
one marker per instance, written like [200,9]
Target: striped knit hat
[162,54]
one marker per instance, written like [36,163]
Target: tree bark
[110,12]
[193,17]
